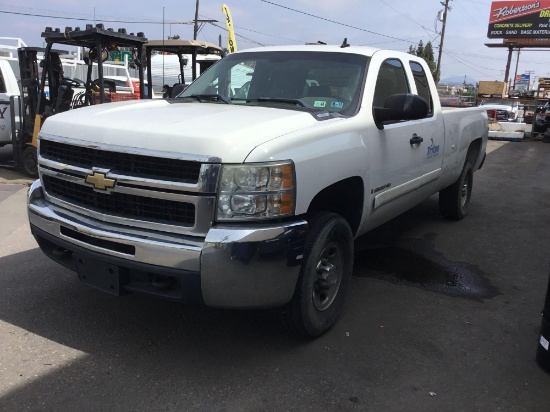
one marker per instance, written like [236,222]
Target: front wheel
[30,161]
[324,277]
[454,200]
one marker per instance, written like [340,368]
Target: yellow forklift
[49,92]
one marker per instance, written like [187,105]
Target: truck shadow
[122,339]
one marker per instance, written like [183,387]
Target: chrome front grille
[131,164]
[155,191]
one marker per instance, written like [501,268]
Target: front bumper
[235,266]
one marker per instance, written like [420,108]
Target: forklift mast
[98,41]
[30,84]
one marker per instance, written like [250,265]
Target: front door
[396,152]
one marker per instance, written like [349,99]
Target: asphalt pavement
[442,316]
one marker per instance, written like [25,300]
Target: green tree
[426,52]
[429,57]
[420,49]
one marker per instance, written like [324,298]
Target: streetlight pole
[438,68]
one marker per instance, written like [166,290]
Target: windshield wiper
[218,97]
[280,100]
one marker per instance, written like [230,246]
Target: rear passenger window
[392,79]
[422,86]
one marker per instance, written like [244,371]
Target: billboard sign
[523,81]
[519,19]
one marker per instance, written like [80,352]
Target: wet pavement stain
[415,263]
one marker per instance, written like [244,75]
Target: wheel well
[473,152]
[344,198]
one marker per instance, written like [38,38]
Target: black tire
[324,277]
[454,200]
[30,161]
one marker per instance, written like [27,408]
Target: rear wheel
[324,277]
[30,161]
[454,200]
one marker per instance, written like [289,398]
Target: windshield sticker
[433,150]
[319,103]
[337,105]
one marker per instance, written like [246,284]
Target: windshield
[311,81]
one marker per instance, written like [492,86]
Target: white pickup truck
[251,197]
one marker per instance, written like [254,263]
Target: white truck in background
[9,89]
[247,198]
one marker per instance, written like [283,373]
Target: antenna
[344,43]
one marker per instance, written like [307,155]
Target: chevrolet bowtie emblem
[100,182]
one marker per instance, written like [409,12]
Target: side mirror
[400,107]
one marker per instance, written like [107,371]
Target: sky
[390,24]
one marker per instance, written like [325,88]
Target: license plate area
[98,274]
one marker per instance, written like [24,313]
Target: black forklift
[181,48]
[36,104]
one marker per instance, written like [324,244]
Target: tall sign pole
[438,68]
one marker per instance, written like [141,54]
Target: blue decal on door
[433,150]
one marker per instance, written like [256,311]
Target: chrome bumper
[240,266]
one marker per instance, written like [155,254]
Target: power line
[238,35]
[478,2]
[334,21]
[407,17]
[90,18]
[461,61]
[264,34]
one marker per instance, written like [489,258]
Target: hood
[228,132]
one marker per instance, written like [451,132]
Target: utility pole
[196,29]
[438,69]
[516,73]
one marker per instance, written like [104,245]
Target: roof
[89,36]
[364,50]
[184,46]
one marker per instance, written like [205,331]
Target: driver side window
[391,79]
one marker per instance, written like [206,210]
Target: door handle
[416,140]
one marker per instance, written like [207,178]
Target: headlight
[256,191]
